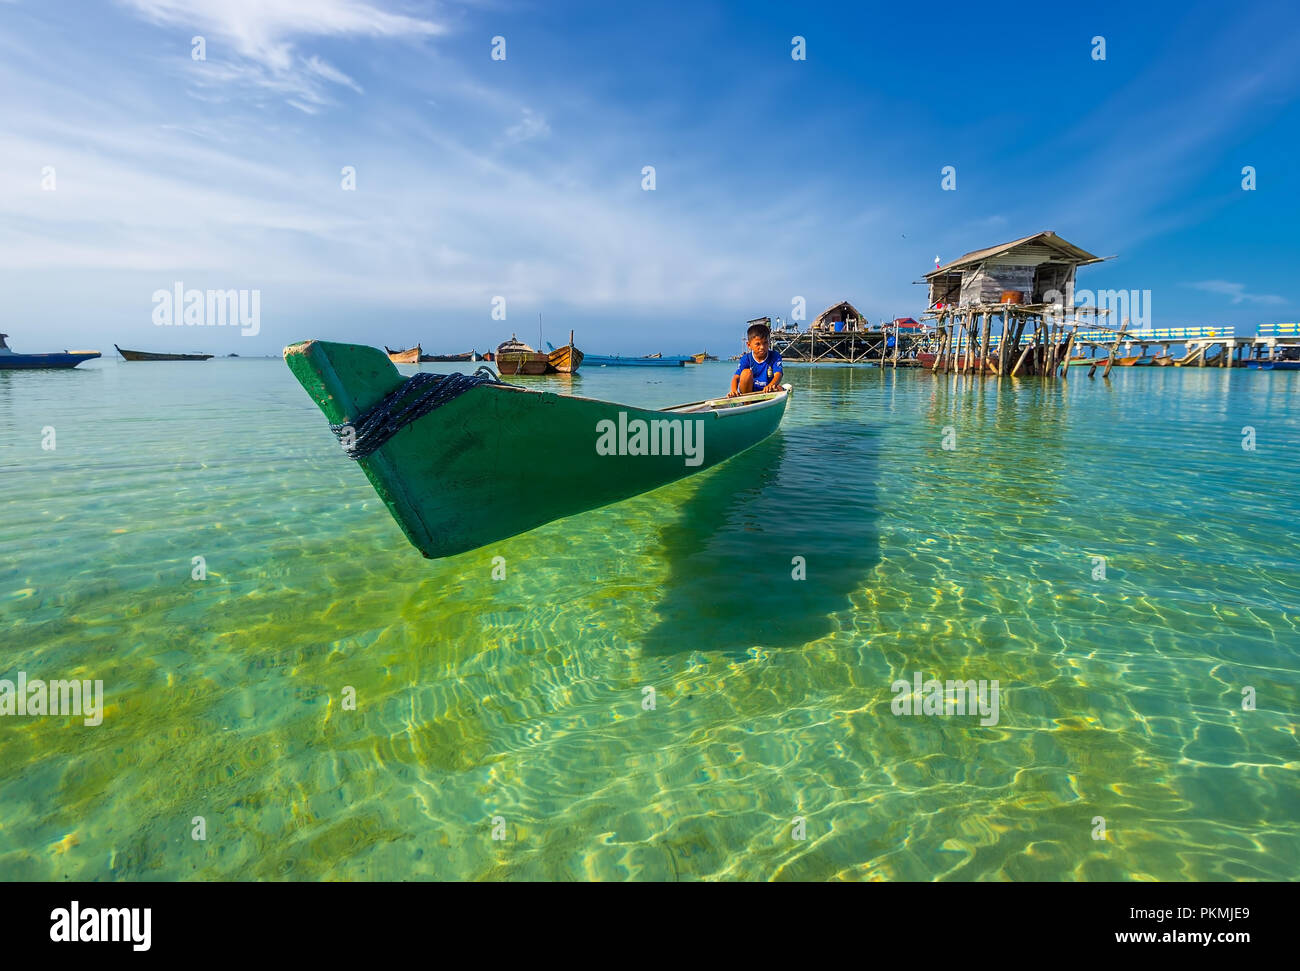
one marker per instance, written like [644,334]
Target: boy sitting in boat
[759,368]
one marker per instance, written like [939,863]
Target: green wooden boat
[497,460]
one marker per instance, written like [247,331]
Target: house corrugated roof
[1049,239]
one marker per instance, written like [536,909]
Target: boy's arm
[735,382]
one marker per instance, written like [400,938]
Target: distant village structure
[1002,310]
[1009,310]
[842,334]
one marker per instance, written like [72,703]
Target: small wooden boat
[409,356]
[617,360]
[1165,360]
[1081,361]
[1136,360]
[10,360]
[516,357]
[491,460]
[151,356]
[695,358]
[1273,365]
[448,358]
[927,359]
[565,360]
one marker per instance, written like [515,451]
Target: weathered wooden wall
[985,283]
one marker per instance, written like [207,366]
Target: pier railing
[1158,334]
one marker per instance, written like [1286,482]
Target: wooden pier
[1210,346]
[849,347]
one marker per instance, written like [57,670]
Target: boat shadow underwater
[805,492]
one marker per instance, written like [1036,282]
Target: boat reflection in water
[732,544]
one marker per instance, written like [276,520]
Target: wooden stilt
[1110,358]
[1069,352]
[1023,354]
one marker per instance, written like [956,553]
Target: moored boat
[448,358]
[409,356]
[566,359]
[926,359]
[11,360]
[516,357]
[151,356]
[1273,365]
[463,461]
[617,360]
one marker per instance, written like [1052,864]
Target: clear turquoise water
[522,698]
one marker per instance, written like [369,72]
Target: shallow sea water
[522,698]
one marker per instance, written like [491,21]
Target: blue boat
[1273,365]
[615,360]
[12,361]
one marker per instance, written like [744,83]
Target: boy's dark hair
[758,330]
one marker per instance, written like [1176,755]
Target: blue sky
[522,177]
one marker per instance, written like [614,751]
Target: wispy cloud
[1237,291]
[532,125]
[330,73]
[263,38]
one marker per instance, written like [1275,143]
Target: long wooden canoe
[409,356]
[151,356]
[11,360]
[1273,365]
[617,360]
[445,358]
[497,460]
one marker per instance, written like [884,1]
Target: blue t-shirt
[764,372]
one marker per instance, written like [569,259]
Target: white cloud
[532,125]
[1237,291]
[262,35]
[330,73]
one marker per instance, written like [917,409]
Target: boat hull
[521,362]
[150,356]
[1273,365]
[565,360]
[498,461]
[446,358]
[614,360]
[29,362]
[926,360]
[408,356]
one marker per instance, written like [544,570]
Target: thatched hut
[842,316]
